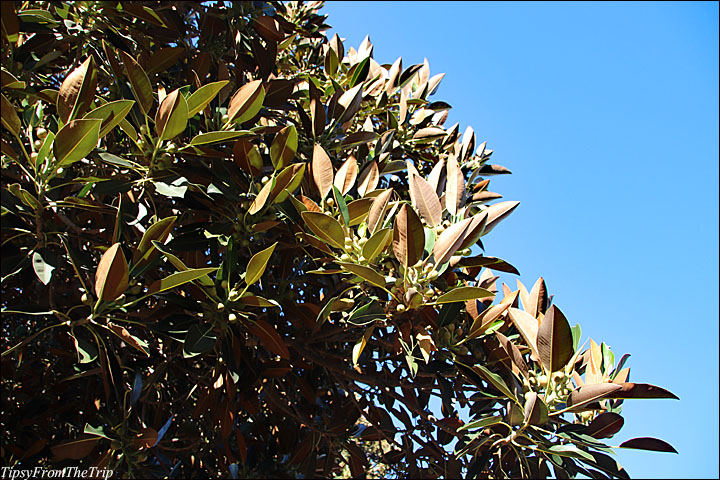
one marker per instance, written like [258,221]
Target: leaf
[648,443]
[257,264]
[426,200]
[641,390]
[111,114]
[112,275]
[367,313]
[358,210]
[462,294]
[495,380]
[369,178]
[450,240]
[75,140]
[255,301]
[139,82]
[9,117]
[590,393]
[426,344]
[350,102]
[215,137]
[554,340]
[75,449]
[198,340]
[163,58]
[605,425]
[569,451]
[342,206]
[377,243]
[481,423]
[175,189]
[202,97]
[43,270]
[538,298]
[287,182]
[172,116]
[322,170]
[455,186]
[536,412]
[346,175]
[146,438]
[177,279]
[377,211]
[493,263]
[284,146]
[158,231]
[129,338]
[325,227]
[360,345]
[270,338]
[408,237]
[246,102]
[77,91]
[513,352]
[528,328]
[365,273]
[247,156]
[498,212]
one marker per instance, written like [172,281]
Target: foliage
[233,247]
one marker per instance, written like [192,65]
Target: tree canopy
[235,247]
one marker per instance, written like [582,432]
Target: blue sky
[607,115]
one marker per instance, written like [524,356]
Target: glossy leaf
[369,178]
[172,116]
[513,353]
[325,227]
[42,269]
[366,273]
[111,114]
[75,141]
[536,412]
[497,213]
[454,187]
[360,345]
[641,390]
[590,393]
[202,97]
[462,294]
[178,279]
[284,146]
[376,215]
[246,102]
[112,275]
[450,240]
[77,91]
[139,82]
[377,243]
[528,327]
[346,175]
[257,264]
[198,340]
[216,137]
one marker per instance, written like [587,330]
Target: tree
[233,247]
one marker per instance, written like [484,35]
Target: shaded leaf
[426,200]
[139,82]
[641,390]
[590,393]
[75,449]
[536,412]
[360,345]
[284,146]
[605,425]
[270,338]
[128,338]
[648,443]
[9,117]
[198,340]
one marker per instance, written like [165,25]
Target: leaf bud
[220,306]
[41,132]
[232,318]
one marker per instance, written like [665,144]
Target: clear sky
[607,115]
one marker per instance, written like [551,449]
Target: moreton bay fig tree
[235,247]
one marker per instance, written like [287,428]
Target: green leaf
[576,332]
[198,340]
[177,279]
[97,431]
[482,423]
[177,263]
[284,147]
[325,312]
[111,114]
[463,294]
[342,206]
[75,140]
[360,73]
[203,96]
[255,301]
[569,451]
[172,116]
[495,380]
[360,345]
[376,244]
[139,82]
[158,231]
[365,273]
[246,102]
[257,264]
[43,270]
[214,137]
[325,227]
[367,313]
